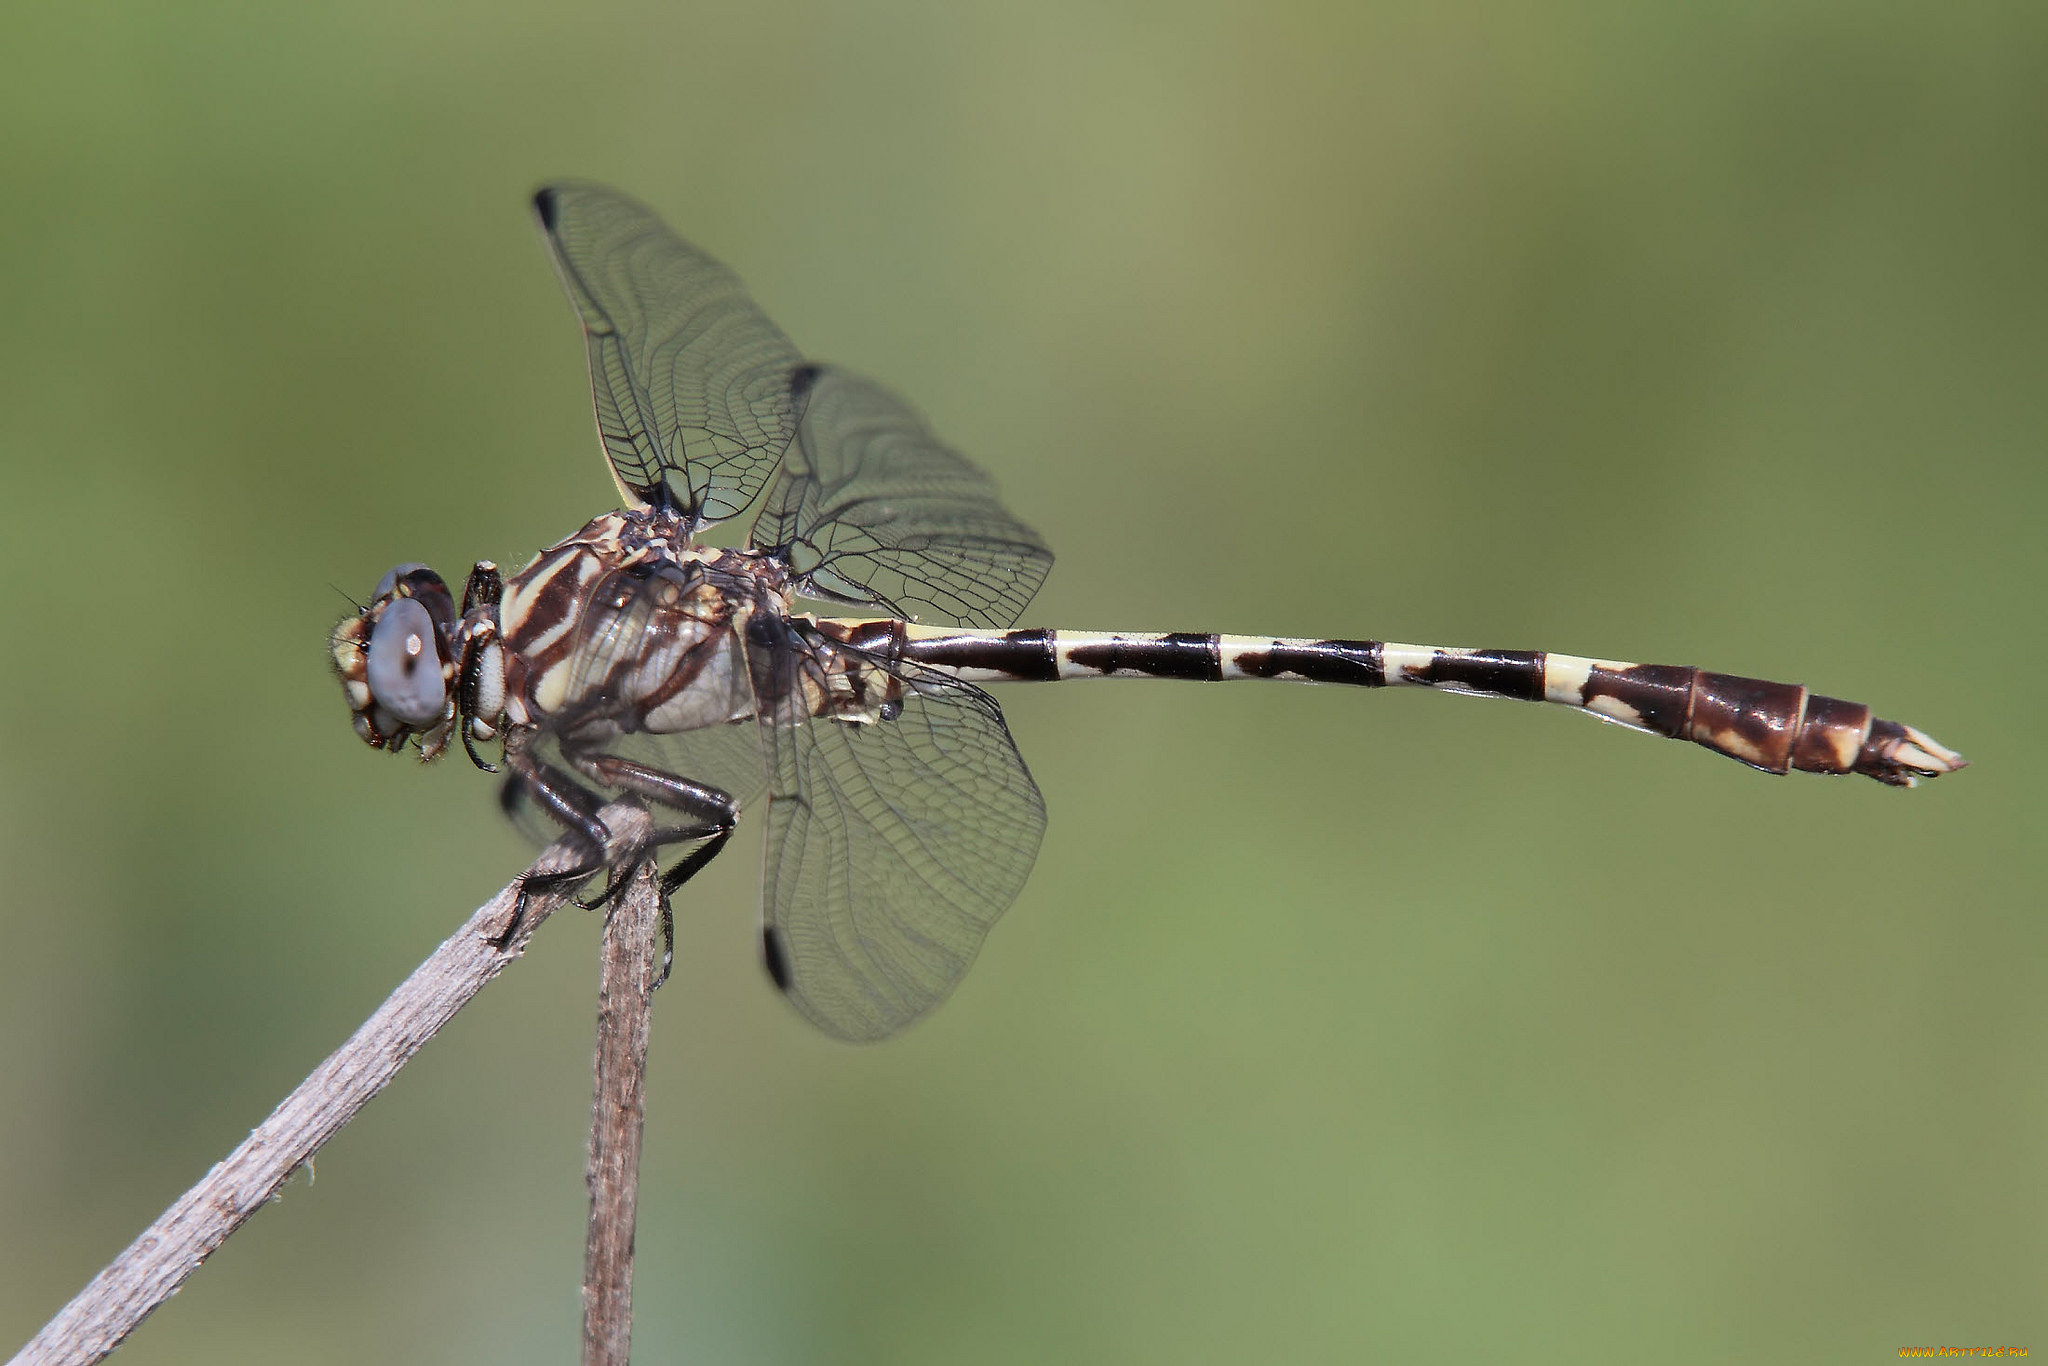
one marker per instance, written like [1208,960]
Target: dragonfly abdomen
[1775,727]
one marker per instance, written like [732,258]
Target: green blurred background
[1332,1026]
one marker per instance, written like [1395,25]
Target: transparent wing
[870,509]
[893,844]
[692,382]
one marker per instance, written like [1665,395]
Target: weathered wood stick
[626,985]
[157,1263]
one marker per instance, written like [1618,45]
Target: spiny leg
[670,881]
[569,805]
[687,868]
[716,817]
[714,811]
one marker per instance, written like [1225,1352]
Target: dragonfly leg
[683,871]
[714,815]
[569,805]
[670,881]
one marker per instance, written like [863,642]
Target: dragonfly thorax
[623,627]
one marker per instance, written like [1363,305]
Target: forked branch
[170,1250]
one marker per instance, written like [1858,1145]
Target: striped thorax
[622,628]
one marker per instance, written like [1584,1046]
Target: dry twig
[157,1263]
[626,983]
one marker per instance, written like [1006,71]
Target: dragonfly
[637,661]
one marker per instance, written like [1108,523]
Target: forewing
[871,509]
[893,845]
[692,382]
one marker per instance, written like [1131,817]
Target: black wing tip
[547,205]
[775,957]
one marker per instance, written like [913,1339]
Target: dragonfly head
[396,658]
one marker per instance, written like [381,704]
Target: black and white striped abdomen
[1775,727]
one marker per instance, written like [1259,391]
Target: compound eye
[390,580]
[405,664]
